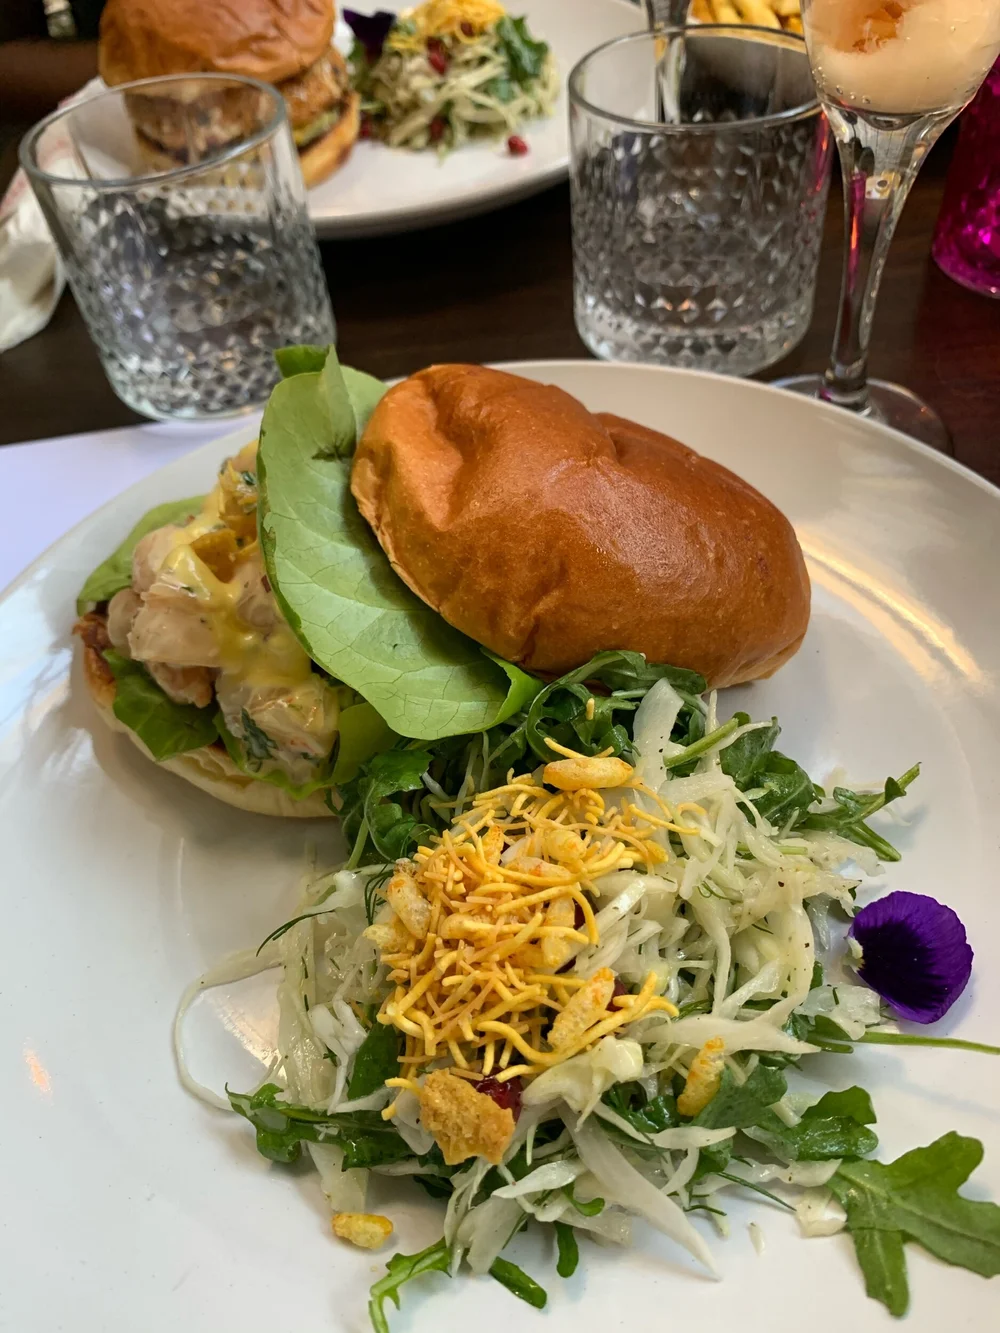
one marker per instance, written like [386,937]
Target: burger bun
[548,533]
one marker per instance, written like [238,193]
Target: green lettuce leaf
[164,727]
[115,573]
[250,764]
[362,735]
[335,586]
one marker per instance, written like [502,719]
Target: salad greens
[164,727]
[916,1198]
[353,614]
[425,86]
[389,806]
[601,1136]
[115,573]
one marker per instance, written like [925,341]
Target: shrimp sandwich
[394,566]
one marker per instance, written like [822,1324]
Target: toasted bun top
[265,39]
[549,534]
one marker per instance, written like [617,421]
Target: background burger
[393,573]
[282,42]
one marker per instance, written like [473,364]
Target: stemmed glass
[891,75]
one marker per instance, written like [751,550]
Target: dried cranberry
[516,146]
[437,56]
[365,130]
[437,128]
[620,989]
[467,30]
[578,917]
[506,1095]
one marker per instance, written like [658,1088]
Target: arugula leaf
[115,573]
[916,1198]
[525,56]
[854,808]
[517,1281]
[367,811]
[353,615]
[826,1130]
[592,1207]
[854,1102]
[403,1268]
[559,709]
[648,1117]
[741,1105]
[377,1059]
[788,790]
[164,727]
[282,1128]
[372,1146]
[569,1251]
[713,1159]
[835,1126]
[814,1138]
[748,754]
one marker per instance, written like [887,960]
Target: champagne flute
[891,75]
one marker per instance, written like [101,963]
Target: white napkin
[31,272]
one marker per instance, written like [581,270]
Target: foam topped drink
[902,56]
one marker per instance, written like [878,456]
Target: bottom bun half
[210,769]
[326,155]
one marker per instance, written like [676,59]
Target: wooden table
[498,288]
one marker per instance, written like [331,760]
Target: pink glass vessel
[967,240]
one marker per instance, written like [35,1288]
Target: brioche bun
[549,534]
[210,768]
[326,154]
[264,39]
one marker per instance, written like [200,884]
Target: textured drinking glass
[967,240]
[188,278]
[696,236]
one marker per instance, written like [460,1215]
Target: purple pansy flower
[371,30]
[914,953]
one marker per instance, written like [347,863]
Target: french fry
[757,13]
[723,12]
[785,14]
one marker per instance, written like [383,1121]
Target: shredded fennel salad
[447,72]
[562,978]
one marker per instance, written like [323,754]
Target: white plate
[129,1206]
[381,190]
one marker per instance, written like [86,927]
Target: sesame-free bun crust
[323,157]
[264,39]
[549,534]
[210,768]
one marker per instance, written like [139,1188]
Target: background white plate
[382,189]
[129,1206]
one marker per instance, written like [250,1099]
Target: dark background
[498,288]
